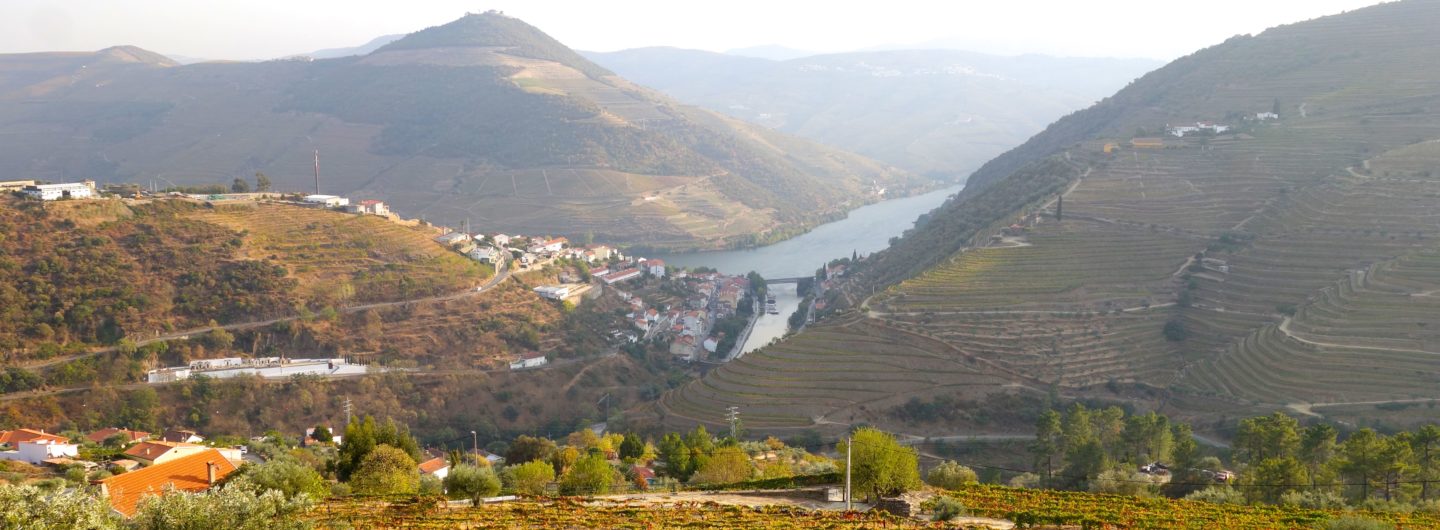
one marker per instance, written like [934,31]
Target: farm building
[370,207]
[55,192]
[326,201]
[529,360]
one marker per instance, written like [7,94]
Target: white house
[550,246]
[529,360]
[437,467]
[453,238]
[655,267]
[485,255]
[1266,116]
[326,201]
[501,239]
[370,207]
[710,344]
[40,450]
[68,190]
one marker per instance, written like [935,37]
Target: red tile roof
[104,434]
[151,450]
[429,467]
[30,435]
[191,473]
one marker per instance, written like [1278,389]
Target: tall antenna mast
[317,171]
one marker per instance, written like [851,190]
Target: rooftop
[191,473]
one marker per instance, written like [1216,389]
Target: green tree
[632,446]
[591,475]
[526,448]
[1317,449]
[285,475]
[322,434]
[1363,459]
[239,186]
[1175,330]
[472,482]
[676,456]
[1426,446]
[138,409]
[726,465]
[1272,478]
[363,436]
[951,475]
[1264,437]
[880,466]
[530,478]
[262,182]
[386,470]
[1049,442]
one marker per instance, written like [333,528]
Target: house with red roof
[194,473]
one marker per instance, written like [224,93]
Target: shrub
[230,508]
[386,471]
[530,478]
[285,475]
[471,482]
[32,508]
[590,475]
[947,508]
[1218,495]
[951,475]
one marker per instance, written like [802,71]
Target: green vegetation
[466,481]
[880,466]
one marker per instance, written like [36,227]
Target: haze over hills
[485,118]
[941,113]
[1290,262]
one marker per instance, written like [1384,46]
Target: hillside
[485,118]
[935,112]
[95,293]
[1318,231]
[87,273]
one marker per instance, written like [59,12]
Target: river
[867,229]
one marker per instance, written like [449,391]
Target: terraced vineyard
[1288,263]
[1124,512]
[340,258]
[575,514]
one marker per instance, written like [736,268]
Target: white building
[553,292]
[55,192]
[485,255]
[267,367]
[370,207]
[37,451]
[655,267]
[327,201]
[529,360]
[1266,116]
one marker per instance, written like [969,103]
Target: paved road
[501,274]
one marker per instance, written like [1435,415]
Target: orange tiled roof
[429,467]
[29,435]
[104,434]
[153,449]
[190,473]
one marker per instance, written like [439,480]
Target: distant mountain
[374,44]
[486,119]
[773,52]
[938,112]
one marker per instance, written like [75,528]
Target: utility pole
[606,399]
[317,171]
[849,447]
[732,415]
[348,411]
[475,445]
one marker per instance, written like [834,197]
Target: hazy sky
[260,29]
